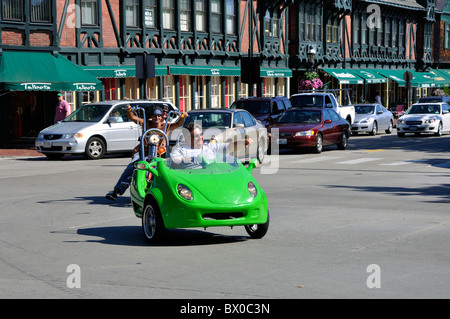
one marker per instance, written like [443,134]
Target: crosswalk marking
[317,159]
[403,162]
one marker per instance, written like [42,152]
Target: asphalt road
[368,222]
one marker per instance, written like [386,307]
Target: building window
[401,34]
[302,23]
[150,13]
[447,36]
[185,15]
[12,10]
[357,30]
[200,15]
[380,37]
[231,17]
[132,13]
[89,12]
[333,31]
[40,11]
[364,30]
[388,38]
[169,14]
[216,16]
[394,33]
[271,25]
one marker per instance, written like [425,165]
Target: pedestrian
[378,98]
[62,109]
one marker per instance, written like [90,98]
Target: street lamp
[311,54]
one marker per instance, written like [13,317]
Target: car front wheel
[439,131]
[257,231]
[95,148]
[152,223]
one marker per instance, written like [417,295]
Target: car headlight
[401,121]
[252,189]
[430,121]
[184,192]
[304,133]
[154,139]
[368,121]
[73,135]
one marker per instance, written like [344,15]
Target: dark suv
[434,99]
[264,109]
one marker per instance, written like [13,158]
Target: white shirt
[192,156]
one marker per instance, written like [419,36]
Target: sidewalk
[19,150]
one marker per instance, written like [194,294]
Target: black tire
[95,148]
[390,128]
[439,132]
[319,144]
[152,223]
[342,145]
[374,129]
[260,151]
[257,231]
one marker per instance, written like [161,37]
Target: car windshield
[364,109]
[300,116]
[88,113]
[424,109]
[430,100]
[306,101]
[254,107]
[210,119]
[221,164]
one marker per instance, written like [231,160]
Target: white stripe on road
[317,159]
[360,160]
[403,162]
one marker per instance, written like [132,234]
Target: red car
[312,128]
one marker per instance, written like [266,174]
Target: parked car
[425,118]
[372,117]
[224,125]
[95,129]
[264,109]
[434,99]
[310,128]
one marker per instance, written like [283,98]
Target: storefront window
[185,101]
[168,88]
[200,92]
[269,85]
[215,91]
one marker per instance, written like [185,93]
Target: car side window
[119,113]
[379,109]
[287,104]
[334,116]
[326,115]
[248,119]
[445,107]
[280,106]
[327,100]
[237,119]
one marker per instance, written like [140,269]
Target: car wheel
[95,148]
[374,129]
[152,223]
[260,151]
[257,231]
[439,131]
[342,145]
[319,144]
[390,128]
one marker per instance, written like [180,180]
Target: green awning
[275,73]
[441,77]
[370,76]
[345,76]
[126,71]
[204,70]
[41,71]
[422,80]
[395,75]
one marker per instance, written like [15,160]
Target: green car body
[221,193]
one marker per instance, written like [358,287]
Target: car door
[238,132]
[328,127]
[251,132]
[381,117]
[122,134]
[336,126]
[445,117]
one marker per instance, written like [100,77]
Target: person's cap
[59,94]
[157,111]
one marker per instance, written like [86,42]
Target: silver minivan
[95,129]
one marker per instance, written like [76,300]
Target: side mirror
[112,119]
[252,164]
[329,105]
[327,121]
[239,125]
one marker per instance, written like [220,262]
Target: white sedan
[425,118]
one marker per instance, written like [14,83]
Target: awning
[41,71]
[345,76]
[422,80]
[441,77]
[395,75]
[126,71]
[370,76]
[275,73]
[204,70]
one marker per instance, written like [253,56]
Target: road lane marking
[317,159]
[359,160]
